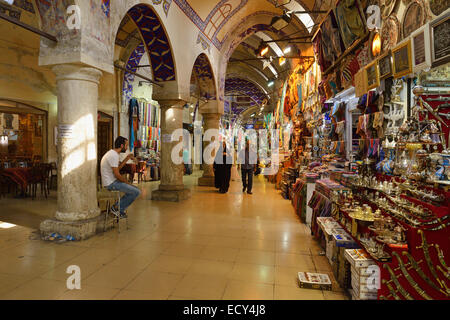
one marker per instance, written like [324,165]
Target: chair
[39,175]
[47,173]
[141,171]
[53,174]
[3,183]
[37,158]
[110,197]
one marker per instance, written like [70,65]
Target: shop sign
[66,131]
[167,138]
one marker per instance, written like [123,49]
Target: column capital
[171,103]
[211,106]
[211,116]
[76,72]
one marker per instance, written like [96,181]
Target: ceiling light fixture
[281,22]
[271,83]
[287,50]
[262,50]
[282,61]
[376,45]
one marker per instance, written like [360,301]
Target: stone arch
[155,40]
[246,28]
[202,78]
[240,86]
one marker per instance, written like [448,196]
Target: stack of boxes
[337,241]
[329,226]
[341,267]
[365,275]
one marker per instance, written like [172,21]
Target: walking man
[247,167]
[113,181]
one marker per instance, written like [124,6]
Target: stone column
[210,121]
[171,187]
[77,210]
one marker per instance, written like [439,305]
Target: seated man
[129,168]
[113,181]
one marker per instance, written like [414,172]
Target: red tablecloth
[21,176]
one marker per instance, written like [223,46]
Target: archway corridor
[215,246]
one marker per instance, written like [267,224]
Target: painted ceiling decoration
[239,86]
[156,41]
[166,5]
[250,31]
[216,19]
[106,8]
[127,31]
[53,16]
[201,39]
[132,64]
[26,5]
[204,75]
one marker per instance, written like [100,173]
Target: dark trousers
[247,179]
[225,178]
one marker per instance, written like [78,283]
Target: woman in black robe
[222,168]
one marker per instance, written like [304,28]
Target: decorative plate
[387,6]
[390,33]
[414,17]
[439,6]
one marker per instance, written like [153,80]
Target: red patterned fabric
[20,176]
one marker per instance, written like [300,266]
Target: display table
[20,176]
[415,271]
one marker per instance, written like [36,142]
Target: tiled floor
[213,246]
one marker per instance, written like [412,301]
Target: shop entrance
[104,134]
[23,132]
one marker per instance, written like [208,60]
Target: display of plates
[414,17]
[439,6]
[360,219]
[387,6]
[390,33]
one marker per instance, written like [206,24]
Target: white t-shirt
[110,160]
[123,155]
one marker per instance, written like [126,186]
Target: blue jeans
[131,193]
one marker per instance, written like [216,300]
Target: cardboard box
[344,240]
[360,272]
[359,258]
[365,272]
[330,251]
[319,281]
[364,296]
[362,286]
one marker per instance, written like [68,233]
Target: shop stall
[145,138]
[369,152]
